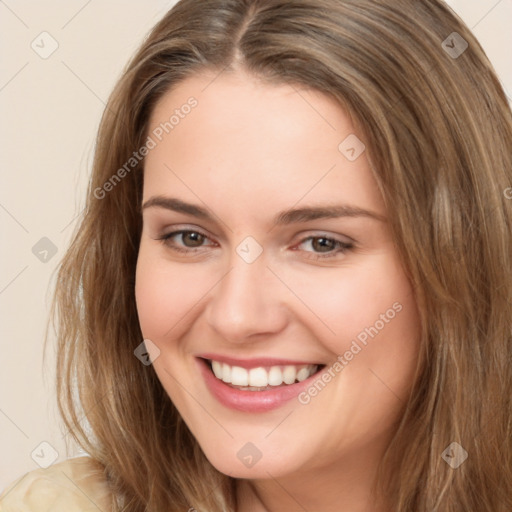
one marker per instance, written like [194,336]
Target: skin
[248,151]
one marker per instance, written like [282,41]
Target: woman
[291,289]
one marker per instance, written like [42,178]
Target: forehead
[243,105]
[258,142]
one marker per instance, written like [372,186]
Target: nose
[247,302]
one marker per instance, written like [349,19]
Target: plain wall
[49,110]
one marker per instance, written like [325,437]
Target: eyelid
[177,230]
[318,233]
[340,249]
[302,236]
[162,220]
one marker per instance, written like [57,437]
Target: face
[281,322]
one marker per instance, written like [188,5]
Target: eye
[319,247]
[325,247]
[184,240]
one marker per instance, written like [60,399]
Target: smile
[261,378]
[258,385]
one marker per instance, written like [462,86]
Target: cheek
[163,294]
[363,303]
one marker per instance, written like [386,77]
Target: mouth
[256,386]
[261,378]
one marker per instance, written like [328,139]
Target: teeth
[226,373]
[275,376]
[302,374]
[217,369]
[257,378]
[289,374]
[239,376]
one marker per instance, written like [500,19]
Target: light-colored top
[75,485]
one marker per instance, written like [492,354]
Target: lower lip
[251,401]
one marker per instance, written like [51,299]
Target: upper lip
[255,362]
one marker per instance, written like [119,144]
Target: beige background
[49,111]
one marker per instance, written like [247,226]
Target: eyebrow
[290,216]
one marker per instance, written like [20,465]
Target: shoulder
[75,485]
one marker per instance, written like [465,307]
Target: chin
[251,462]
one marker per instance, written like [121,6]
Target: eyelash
[342,247]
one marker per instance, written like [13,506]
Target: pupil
[322,244]
[196,239]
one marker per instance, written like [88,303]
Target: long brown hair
[438,131]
